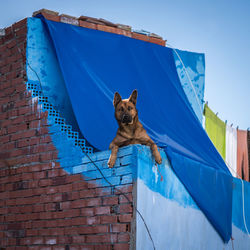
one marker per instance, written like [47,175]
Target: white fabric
[231,149]
[204,121]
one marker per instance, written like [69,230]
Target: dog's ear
[117,99]
[133,97]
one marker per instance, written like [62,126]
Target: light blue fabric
[191,67]
[96,64]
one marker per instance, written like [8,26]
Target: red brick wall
[41,206]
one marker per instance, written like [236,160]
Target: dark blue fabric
[96,64]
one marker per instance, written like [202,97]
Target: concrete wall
[174,220]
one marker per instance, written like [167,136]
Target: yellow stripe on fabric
[216,130]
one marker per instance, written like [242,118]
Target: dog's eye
[129,108]
[121,109]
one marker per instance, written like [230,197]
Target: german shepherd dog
[130,130]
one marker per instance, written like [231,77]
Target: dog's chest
[138,137]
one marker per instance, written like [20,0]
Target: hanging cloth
[216,130]
[231,149]
[242,155]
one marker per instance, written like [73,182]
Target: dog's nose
[126,118]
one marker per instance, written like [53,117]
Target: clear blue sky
[220,29]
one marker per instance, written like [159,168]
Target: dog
[130,130]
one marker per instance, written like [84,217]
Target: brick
[121,246]
[22,31]
[125,237]
[58,248]
[25,209]
[57,231]
[47,156]
[16,128]
[39,175]
[26,241]
[87,211]
[101,238]
[45,182]
[78,203]
[32,232]
[93,229]
[26,176]
[45,166]
[51,190]
[87,193]
[66,205]
[19,24]
[124,32]
[45,215]
[78,239]
[65,188]
[51,17]
[140,37]
[110,200]
[69,19]
[124,189]
[27,217]
[107,28]
[67,214]
[38,207]
[125,208]
[124,27]
[37,240]
[51,12]
[116,228]
[102,210]
[79,185]
[104,219]
[14,226]
[125,218]
[73,178]
[37,190]
[51,223]
[51,241]
[104,247]
[56,197]
[125,199]
[93,220]
[93,202]
[157,41]
[59,180]
[11,44]
[53,173]
[64,240]
[71,231]
[87,25]
[10,218]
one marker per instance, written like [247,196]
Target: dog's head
[125,110]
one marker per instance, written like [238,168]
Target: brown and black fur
[130,130]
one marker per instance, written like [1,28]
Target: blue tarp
[96,64]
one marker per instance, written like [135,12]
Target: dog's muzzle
[126,118]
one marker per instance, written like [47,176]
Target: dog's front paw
[111,161]
[158,158]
